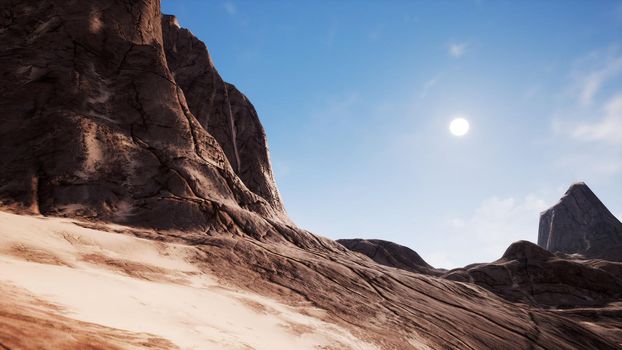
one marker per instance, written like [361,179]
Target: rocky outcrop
[581,224]
[390,254]
[529,274]
[222,110]
[110,117]
[526,273]
[96,125]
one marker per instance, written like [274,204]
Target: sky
[356,98]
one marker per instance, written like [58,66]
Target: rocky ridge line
[581,224]
[96,126]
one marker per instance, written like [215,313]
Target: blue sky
[356,98]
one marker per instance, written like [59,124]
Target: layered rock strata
[108,116]
[390,254]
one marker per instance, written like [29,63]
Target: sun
[459,126]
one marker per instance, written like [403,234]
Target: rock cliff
[529,274]
[581,224]
[222,110]
[390,254]
[96,123]
[115,117]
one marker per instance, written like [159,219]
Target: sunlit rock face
[222,110]
[111,116]
[95,122]
[581,224]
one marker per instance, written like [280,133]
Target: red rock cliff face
[96,124]
[222,110]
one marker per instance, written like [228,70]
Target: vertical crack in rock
[581,224]
[234,137]
[67,84]
[222,110]
[183,153]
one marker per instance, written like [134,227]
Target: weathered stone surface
[581,224]
[96,125]
[222,110]
[390,254]
[530,274]
[525,273]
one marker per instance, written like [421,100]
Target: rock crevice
[96,120]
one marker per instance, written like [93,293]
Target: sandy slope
[108,289]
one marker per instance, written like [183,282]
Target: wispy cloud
[428,85]
[594,152]
[441,260]
[597,163]
[593,81]
[500,221]
[606,129]
[590,119]
[336,110]
[457,50]
[230,8]
[595,114]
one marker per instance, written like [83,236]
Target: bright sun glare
[459,126]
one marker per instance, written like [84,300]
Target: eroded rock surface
[581,224]
[530,274]
[96,125]
[390,254]
[222,110]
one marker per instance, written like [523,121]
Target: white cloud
[428,85]
[593,163]
[497,223]
[593,81]
[230,8]
[457,49]
[590,119]
[440,260]
[607,129]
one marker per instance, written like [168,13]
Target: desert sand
[148,217]
[147,287]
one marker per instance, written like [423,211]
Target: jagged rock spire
[581,223]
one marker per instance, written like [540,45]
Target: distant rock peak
[581,224]
[390,254]
[171,20]
[224,111]
[525,250]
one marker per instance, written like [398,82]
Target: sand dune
[137,293]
